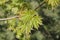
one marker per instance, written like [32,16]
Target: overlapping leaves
[28,19]
[53,3]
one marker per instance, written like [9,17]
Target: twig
[2,19]
[40,5]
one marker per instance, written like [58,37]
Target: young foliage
[53,3]
[27,20]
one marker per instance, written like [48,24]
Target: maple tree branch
[40,5]
[2,19]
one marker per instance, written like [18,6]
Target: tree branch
[40,5]
[2,19]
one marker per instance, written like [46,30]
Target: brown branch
[40,5]
[2,19]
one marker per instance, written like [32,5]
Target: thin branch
[2,19]
[40,5]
